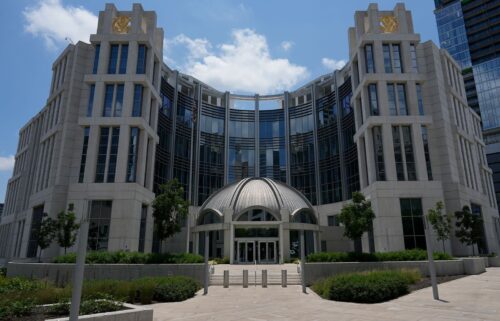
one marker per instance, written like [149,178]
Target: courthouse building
[393,123]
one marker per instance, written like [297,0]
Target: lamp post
[432,266]
[80,264]
[302,260]
[207,241]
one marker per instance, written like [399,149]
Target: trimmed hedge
[367,287]
[122,257]
[406,255]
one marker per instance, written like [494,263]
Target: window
[413,54]
[409,157]
[123,59]
[137,106]
[398,155]
[370,65]
[372,97]
[403,153]
[113,105]
[108,101]
[333,220]
[113,59]
[99,225]
[391,97]
[420,100]
[396,96]
[107,154]
[96,59]
[396,59]
[425,139]
[142,228]
[141,59]
[113,153]
[482,245]
[118,100]
[83,160]
[36,222]
[90,104]
[403,109]
[413,223]
[102,152]
[387,58]
[132,154]
[379,153]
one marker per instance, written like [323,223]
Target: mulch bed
[426,281]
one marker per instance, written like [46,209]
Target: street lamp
[432,266]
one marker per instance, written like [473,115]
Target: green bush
[89,306]
[122,257]
[174,289]
[367,287]
[15,308]
[406,255]
[3,271]
[218,260]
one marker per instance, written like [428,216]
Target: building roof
[257,192]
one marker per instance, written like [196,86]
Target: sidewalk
[470,298]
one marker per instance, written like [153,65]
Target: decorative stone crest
[121,24]
[388,24]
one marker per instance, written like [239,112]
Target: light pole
[302,260]
[207,241]
[432,266]
[80,264]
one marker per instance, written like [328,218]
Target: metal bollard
[264,278]
[283,278]
[226,278]
[245,278]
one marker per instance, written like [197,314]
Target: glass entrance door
[262,251]
[267,251]
[246,251]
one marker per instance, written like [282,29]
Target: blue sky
[252,46]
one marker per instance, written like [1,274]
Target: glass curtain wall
[272,159]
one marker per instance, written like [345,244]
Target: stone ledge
[133,313]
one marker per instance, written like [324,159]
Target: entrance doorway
[256,251]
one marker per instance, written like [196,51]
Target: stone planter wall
[133,313]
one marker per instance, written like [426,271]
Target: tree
[45,234]
[357,217]
[441,223]
[469,227]
[169,209]
[67,229]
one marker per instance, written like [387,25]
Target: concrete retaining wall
[61,274]
[494,261]
[133,313]
[316,271]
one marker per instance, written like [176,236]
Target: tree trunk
[65,250]
[444,248]
[40,256]
[473,251]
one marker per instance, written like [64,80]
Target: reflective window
[90,104]
[141,59]
[102,153]
[420,100]
[132,154]
[487,79]
[256,215]
[396,97]
[118,101]
[396,59]
[370,64]
[166,105]
[387,58]
[403,109]
[372,98]
[113,59]
[413,223]
[83,160]
[96,59]
[413,55]
[378,153]
[398,154]
[211,125]
[425,139]
[391,98]
[99,225]
[301,125]
[123,59]
[113,153]
[241,129]
[333,220]
[142,227]
[108,100]
[411,169]
[137,103]
[106,154]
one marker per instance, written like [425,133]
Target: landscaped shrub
[406,255]
[89,306]
[173,289]
[122,257]
[15,307]
[367,287]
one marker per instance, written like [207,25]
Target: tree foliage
[469,227]
[67,229]
[45,234]
[169,209]
[441,223]
[357,217]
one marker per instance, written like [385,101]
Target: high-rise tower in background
[470,31]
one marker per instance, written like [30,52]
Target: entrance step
[255,274]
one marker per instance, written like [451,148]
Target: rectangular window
[141,59]
[413,223]
[379,153]
[123,59]
[96,59]
[391,97]
[108,100]
[36,222]
[113,59]
[413,54]
[118,100]
[372,97]
[396,59]
[86,132]
[113,153]
[142,228]
[132,154]
[102,153]
[425,139]
[333,220]
[403,109]
[90,104]
[420,100]
[370,65]
[409,157]
[137,106]
[387,58]
[398,154]
[99,225]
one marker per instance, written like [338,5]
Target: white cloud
[287,45]
[52,21]
[7,163]
[244,65]
[333,64]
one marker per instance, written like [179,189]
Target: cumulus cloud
[287,45]
[54,22]
[333,64]
[7,163]
[245,64]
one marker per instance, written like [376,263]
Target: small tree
[469,227]
[67,229]
[169,209]
[45,234]
[441,223]
[357,217]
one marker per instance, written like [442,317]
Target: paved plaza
[474,297]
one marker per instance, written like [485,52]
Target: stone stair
[255,274]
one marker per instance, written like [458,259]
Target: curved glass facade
[303,138]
